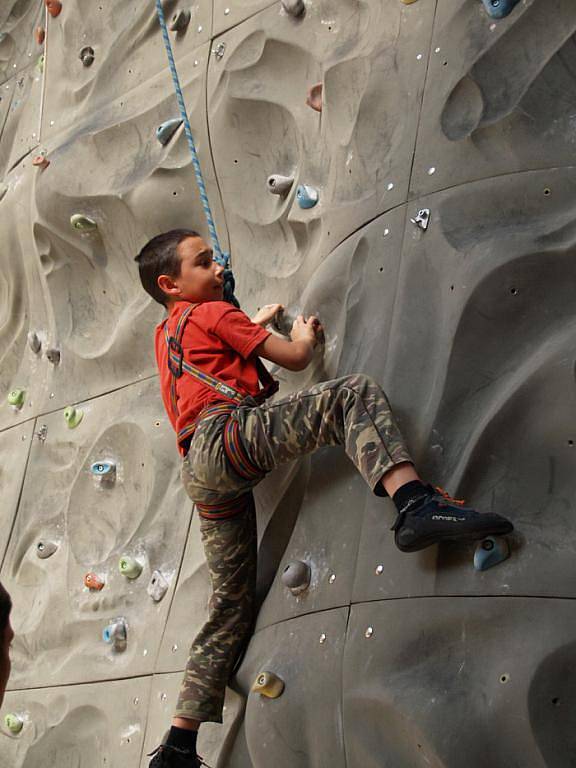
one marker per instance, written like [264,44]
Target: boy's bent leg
[231,551]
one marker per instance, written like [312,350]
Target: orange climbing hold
[40,35]
[54,7]
[93,582]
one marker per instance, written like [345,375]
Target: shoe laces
[447,496]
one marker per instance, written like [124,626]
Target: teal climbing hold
[83,223]
[16,398]
[103,469]
[165,131]
[499,9]
[116,634]
[14,723]
[73,416]
[307,196]
[490,552]
[129,567]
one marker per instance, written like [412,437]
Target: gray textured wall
[470,326]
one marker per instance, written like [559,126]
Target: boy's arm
[295,355]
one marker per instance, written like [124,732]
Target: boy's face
[200,279]
[5,658]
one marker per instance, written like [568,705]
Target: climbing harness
[178,365]
[220,257]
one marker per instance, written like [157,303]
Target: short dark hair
[159,257]
[5,608]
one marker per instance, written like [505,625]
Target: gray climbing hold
[165,131]
[157,587]
[490,552]
[294,7]
[45,549]
[279,185]
[499,9]
[83,223]
[296,576]
[422,219]
[87,56]
[34,342]
[307,196]
[180,21]
[116,634]
[53,355]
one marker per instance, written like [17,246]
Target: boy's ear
[167,285]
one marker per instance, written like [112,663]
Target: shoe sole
[502,530]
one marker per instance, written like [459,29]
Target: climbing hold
[408,2]
[82,223]
[53,355]
[307,196]
[93,582]
[41,161]
[54,7]
[16,398]
[157,587]
[422,219]
[283,322]
[87,56]
[293,7]
[45,548]
[491,551]
[268,684]
[73,416]
[14,723]
[279,185]
[116,634]
[314,97]
[180,21]
[499,9]
[165,131]
[34,342]
[296,576]
[104,470]
[129,567]
[40,63]
[40,35]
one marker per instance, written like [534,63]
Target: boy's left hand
[267,314]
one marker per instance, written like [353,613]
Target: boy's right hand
[306,330]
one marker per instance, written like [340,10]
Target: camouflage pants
[219,473]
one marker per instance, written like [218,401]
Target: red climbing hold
[93,582]
[40,35]
[314,97]
[54,7]
[41,161]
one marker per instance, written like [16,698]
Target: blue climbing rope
[221,258]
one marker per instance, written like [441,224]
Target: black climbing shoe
[172,757]
[435,517]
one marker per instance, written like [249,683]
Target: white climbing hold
[279,185]
[157,587]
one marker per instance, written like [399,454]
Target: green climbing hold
[73,416]
[40,63]
[16,398]
[83,223]
[13,723]
[129,567]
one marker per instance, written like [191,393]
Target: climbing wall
[423,204]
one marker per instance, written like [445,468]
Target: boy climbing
[214,388]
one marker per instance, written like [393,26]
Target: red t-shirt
[219,339]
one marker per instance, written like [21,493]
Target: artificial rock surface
[387,659]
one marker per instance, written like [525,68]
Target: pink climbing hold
[41,161]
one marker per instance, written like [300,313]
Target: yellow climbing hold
[268,684]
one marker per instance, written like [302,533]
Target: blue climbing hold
[165,131]
[307,196]
[499,9]
[105,469]
[490,552]
[116,634]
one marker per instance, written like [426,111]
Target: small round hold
[332,578]
[307,196]
[294,7]
[41,161]
[179,22]
[83,223]
[322,639]
[34,342]
[279,185]
[93,582]
[167,129]
[53,355]
[73,416]
[314,97]
[129,567]
[269,685]
[14,723]
[45,549]
[296,576]
[40,35]
[16,398]
[87,56]
[54,7]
